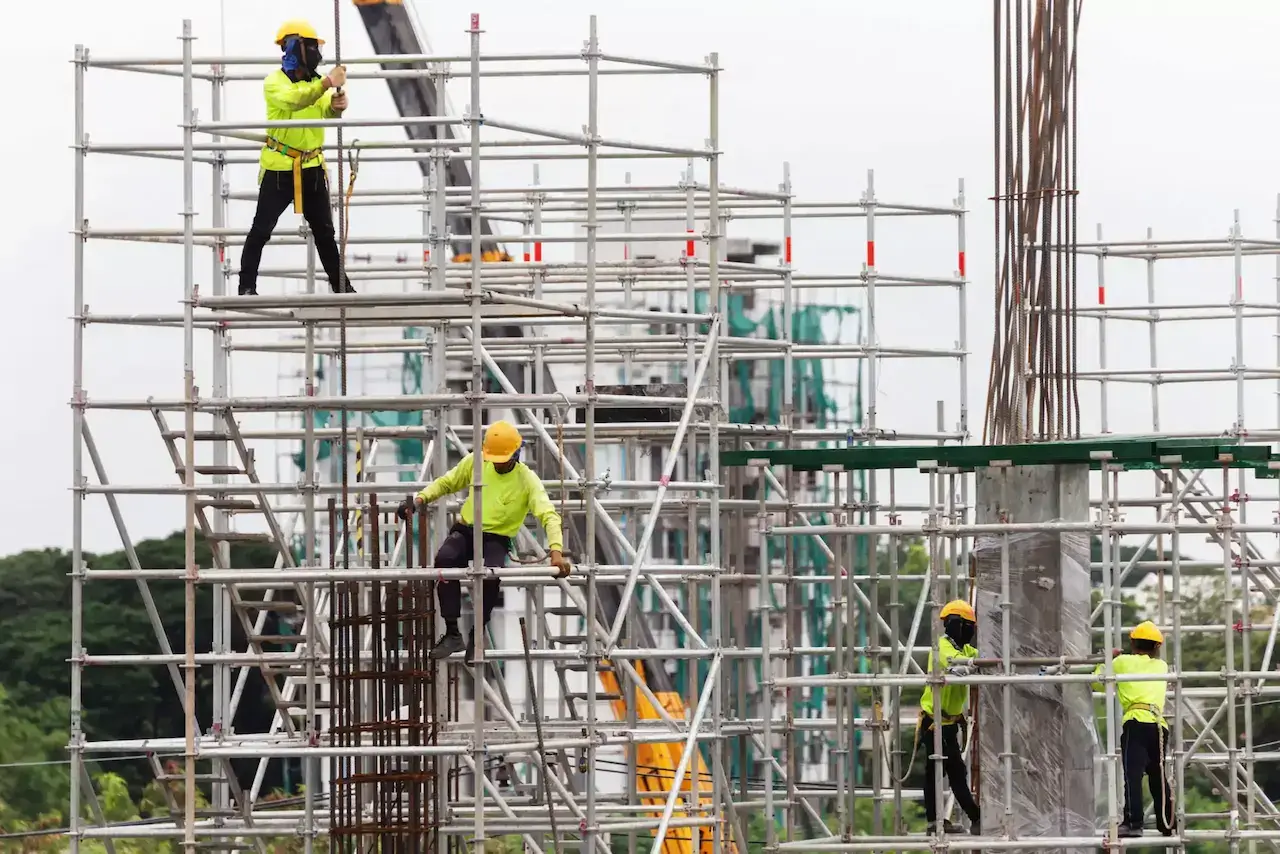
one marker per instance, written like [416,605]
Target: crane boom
[392,32]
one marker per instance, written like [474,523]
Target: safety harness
[299,157]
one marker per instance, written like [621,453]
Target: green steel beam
[1130,453]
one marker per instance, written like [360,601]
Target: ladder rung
[580,667]
[300,703]
[200,778]
[226,504]
[212,469]
[294,640]
[201,435]
[563,611]
[600,695]
[567,638]
[281,606]
[239,537]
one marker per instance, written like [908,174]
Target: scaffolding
[590,736]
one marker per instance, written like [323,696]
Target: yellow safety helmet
[1147,631]
[296,27]
[501,441]
[959,608]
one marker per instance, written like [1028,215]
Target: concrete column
[1049,788]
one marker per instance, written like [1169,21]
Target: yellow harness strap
[299,157]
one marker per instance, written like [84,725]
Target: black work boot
[449,643]
[975,825]
[947,827]
[1128,831]
[345,289]
[248,291]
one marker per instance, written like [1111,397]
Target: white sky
[1177,129]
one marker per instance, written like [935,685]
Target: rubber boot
[1128,831]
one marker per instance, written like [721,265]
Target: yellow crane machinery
[391,32]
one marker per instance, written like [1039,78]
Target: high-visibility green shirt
[289,101]
[508,498]
[1135,697]
[954,697]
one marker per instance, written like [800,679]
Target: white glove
[960,670]
[1053,670]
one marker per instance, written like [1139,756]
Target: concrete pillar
[1050,731]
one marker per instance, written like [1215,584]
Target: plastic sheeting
[1054,779]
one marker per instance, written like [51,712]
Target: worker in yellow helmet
[959,630]
[1144,733]
[292,166]
[511,491]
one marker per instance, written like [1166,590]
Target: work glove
[406,508]
[339,102]
[1053,670]
[337,76]
[961,670]
[560,562]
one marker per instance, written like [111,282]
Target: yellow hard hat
[501,441]
[959,608]
[296,27]
[1147,631]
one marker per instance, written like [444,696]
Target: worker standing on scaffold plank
[959,626]
[511,491]
[1144,734]
[292,163]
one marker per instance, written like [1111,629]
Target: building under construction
[761,542]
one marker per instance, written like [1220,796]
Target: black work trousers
[455,553]
[275,194]
[1142,749]
[952,765]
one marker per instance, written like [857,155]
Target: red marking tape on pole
[688,246]
[526,257]
[426,257]
[788,250]
[962,264]
[871,253]
[475,21]
[537,252]
[1102,295]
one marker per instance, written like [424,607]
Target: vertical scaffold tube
[189,441]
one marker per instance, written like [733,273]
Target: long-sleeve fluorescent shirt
[1140,694]
[954,697]
[288,101]
[508,498]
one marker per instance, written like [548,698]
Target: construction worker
[511,492]
[959,627]
[292,166]
[1144,732]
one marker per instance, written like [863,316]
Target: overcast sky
[1177,129]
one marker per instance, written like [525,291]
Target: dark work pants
[455,553]
[952,765]
[275,195]
[1140,749]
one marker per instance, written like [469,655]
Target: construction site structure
[737,655]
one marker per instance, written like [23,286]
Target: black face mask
[960,630]
[311,56]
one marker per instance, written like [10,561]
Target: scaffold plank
[1129,453]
